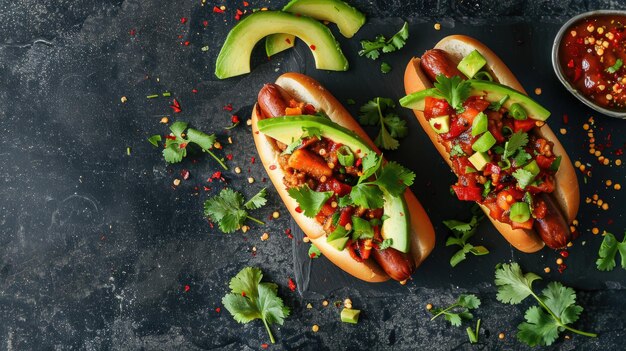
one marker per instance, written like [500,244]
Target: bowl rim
[559,72]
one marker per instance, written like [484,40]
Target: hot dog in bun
[496,140]
[354,206]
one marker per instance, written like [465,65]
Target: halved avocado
[234,57]
[348,19]
[491,91]
[289,128]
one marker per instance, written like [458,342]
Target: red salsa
[592,57]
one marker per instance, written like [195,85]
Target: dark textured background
[96,247]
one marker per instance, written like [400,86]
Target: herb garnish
[543,324]
[229,210]
[385,67]
[250,299]
[314,251]
[608,250]
[458,311]
[310,201]
[376,112]
[618,64]
[462,232]
[371,49]
[454,90]
[176,144]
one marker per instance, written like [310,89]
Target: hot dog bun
[566,192]
[306,89]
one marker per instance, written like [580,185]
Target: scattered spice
[175,106]
[292,285]
[123,99]
[187,288]
[265,236]
[176,182]
[437,26]
[315,328]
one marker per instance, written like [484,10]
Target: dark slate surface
[97,247]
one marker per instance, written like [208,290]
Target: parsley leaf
[226,209]
[458,311]
[376,113]
[250,299]
[176,145]
[371,49]
[310,201]
[608,250]
[618,64]
[454,90]
[462,232]
[543,324]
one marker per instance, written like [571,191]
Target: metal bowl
[559,72]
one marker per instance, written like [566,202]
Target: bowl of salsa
[589,58]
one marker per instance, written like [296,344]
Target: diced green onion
[520,212]
[484,143]
[469,169]
[345,156]
[480,123]
[152,96]
[517,111]
[479,250]
[482,75]
[166,94]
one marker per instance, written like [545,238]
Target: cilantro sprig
[177,142]
[454,90]
[379,112]
[250,299]
[608,250]
[230,212]
[372,49]
[557,306]
[458,311]
[310,201]
[462,232]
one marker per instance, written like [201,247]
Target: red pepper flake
[216,175]
[252,160]
[170,137]
[564,253]
[238,15]
[288,233]
[565,119]
[312,47]
[187,288]
[132,32]
[264,346]
[176,106]
[229,157]
[195,91]
[183,145]
[185,174]
[292,285]
[205,23]
[562,267]
[234,119]
[183,20]
[218,310]
[217,10]
[245,4]
[186,43]
[570,64]
[228,107]
[298,209]
[180,36]
[243,293]
[272,167]
[206,188]
[288,40]
[312,255]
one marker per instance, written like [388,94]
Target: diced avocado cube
[533,168]
[472,63]
[480,160]
[440,124]
[340,243]
[484,143]
[349,315]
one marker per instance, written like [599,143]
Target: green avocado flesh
[234,57]
[348,19]
[491,91]
[289,128]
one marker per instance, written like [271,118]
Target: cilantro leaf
[314,251]
[226,209]
[524,177]
[516,141]
[257,201]
[394,178]
[371,49]
[370,165]
[469,301]
[608,250]
[250,299]
[367,196]
[310,201]
[454,90]
[521,157]
[312,132]
[375,113]
[386,243]
[618,64]
[456,150]
[385,67]
[461,233]
[543,324]
[176,145]
[154,140]
[458,311]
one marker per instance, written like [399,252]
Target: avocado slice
[340,243]
[234,57]
[289,128]
[349,315]
[397,226]
[492,92]
[440,124]
[480,160]
[348,19]
[471,64]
